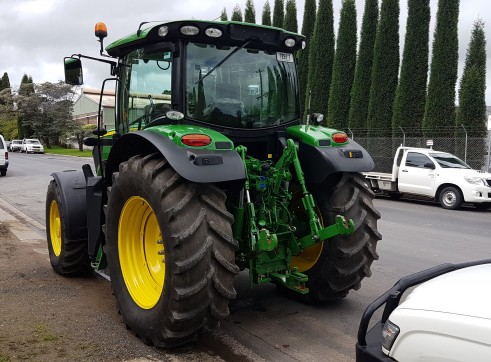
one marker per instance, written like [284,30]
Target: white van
[4,157]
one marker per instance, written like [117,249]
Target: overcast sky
[37,34]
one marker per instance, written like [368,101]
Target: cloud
[38,34]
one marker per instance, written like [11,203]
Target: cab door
[417,175]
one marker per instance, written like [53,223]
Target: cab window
[414,159]
[146,89]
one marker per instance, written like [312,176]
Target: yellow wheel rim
[55,228]
[309,256]
[141,252]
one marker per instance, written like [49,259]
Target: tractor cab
[226,76]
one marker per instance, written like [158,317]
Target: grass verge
[57,150]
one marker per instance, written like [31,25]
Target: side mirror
[429,165]
[73,71]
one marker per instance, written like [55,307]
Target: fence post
[403,136]
[489,149]
[465,148]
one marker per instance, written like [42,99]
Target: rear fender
[193,164]
[321,155]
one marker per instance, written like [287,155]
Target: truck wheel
[338,265]
[451,198]
[170,251]
[3,172]
[66,257]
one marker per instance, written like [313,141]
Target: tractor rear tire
[67,257]
[170,250]
[344,260]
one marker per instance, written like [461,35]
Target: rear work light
[196,140]
[340,137]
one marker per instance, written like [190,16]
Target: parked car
[32,145]
[4,157]
[16,146]
[446,318]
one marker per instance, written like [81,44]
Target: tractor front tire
[67,257]
[340,263]
[170,251]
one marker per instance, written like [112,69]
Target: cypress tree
[26,88]
[440,102]
[385,70]
[278,13]
[290,22]
[223,15]
[303,56]
[409,105]
[343,69]
[472,92]
[321,55]
[237,13]
[266,18]
[5,82]
[250,12]
[360,92]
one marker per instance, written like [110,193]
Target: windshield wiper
[223,61]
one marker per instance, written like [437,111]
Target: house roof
[108,97]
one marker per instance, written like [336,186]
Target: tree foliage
[303,56]
[290,23]
[266,18]
[321,55]
[409,104]
[47,112]
[360,92]
[237,13]
[223,15]
[385,69]
[440,101]
[472,92]
[81,131]
[8,115]
[343,68]
[250,12]
[26,88]
[278,13]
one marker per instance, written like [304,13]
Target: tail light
[196,140]
[6,155]
[340,137]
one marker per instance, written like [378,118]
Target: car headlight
[389,335]
[475,180]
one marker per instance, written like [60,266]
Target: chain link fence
[473,150]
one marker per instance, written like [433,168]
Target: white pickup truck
[440,176]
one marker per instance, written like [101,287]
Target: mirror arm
[114,65]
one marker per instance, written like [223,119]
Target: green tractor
[210,171]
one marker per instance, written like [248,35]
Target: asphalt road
[416,235]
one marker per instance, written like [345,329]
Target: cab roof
[233,33]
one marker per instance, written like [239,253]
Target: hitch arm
[340,227]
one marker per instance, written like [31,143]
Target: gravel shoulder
[47,317]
